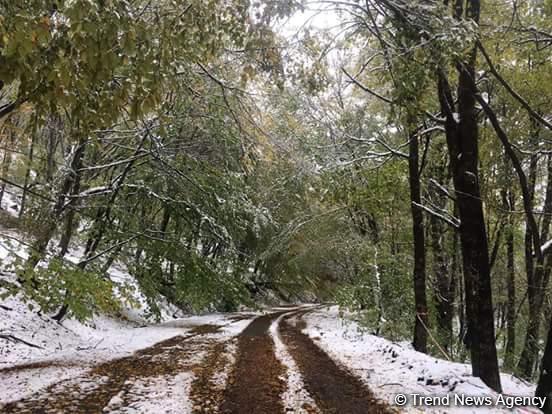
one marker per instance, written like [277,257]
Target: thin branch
[365,88]
[442,189]
[517,167]
[42,196]
[511,90]
[13,338]
[431,129]
[391,150]
[115,163]
[105,251]
[453,221]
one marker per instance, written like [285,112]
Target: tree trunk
[55,125]
[510,348]
[65,239]
[458,277]
[67,233]
[41,243]
[421,319]
[103,214]
[6,161]
[462,142]
[537,281]
[544,387]
[442,273]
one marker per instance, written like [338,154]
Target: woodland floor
[238,375]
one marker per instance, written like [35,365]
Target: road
[228,376]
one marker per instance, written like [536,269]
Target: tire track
[255,385]
[334,388]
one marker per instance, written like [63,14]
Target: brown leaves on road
[93,391]
[255,384]
[248,380]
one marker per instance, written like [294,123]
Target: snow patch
[154,395]
[69,349]
[221,377]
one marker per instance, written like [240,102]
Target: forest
[392,157]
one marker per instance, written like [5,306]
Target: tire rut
[255,382]
[334,389]
[255,385]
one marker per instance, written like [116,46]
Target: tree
[421,321]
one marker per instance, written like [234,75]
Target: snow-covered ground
[395,368]
[11,202]
[69,349]
[165,395]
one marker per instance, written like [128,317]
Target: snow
[93,191]
[67,351]
[23,383]
[14,244]
[71,348]
[546,246]
[390,368]
[155,395]
[11,242]
[221,377]
[102,338]
[228,327]
[456,117]
[120,275]
[10,203]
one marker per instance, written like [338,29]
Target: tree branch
[518,168]
[454,222]
[511,90]
[13,338]
[365,88]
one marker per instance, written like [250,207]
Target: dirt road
[202,373]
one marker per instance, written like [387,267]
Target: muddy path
[255,384]
[333,387]
[206,373]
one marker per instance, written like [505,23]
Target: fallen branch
[9,337]
[391,383]
[90,347]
